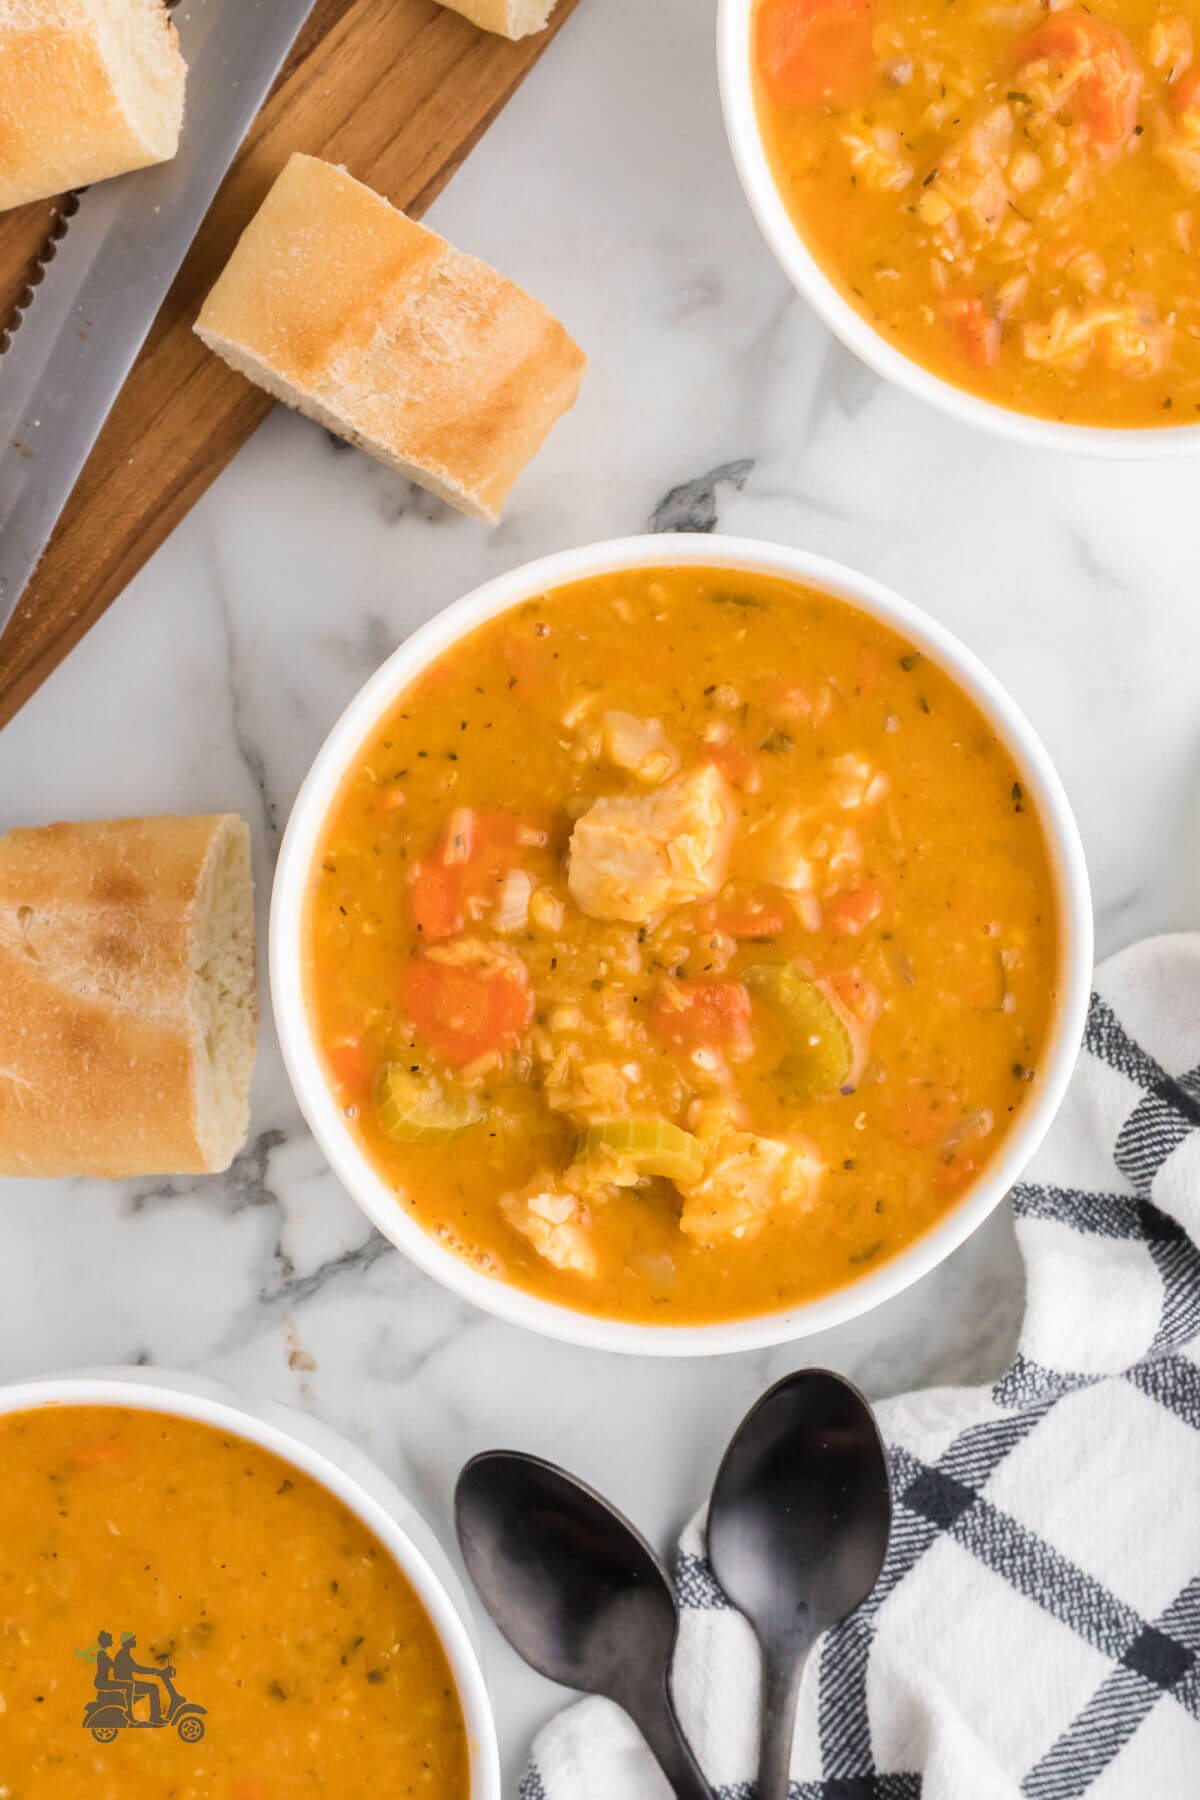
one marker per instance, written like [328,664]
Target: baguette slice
[128,1007]
[88,89]
[381,331]
[511,18]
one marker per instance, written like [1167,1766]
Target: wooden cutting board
[397,90]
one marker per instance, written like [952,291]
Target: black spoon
[797,1533]
[577,1593]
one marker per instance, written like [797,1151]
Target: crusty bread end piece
[128,1001]
[511,18]
[88,89]
[341,306]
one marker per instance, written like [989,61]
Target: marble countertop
[714,399]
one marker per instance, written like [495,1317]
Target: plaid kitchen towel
[1036,1631]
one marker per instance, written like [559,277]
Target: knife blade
[92,310]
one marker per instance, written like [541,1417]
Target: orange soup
[683,944]
[1010,193]
[184,1615]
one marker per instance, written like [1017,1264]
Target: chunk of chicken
[1172,48]
[971,181]
[856,782]
[555,1223]
[634,856]
[1129,339]
[780,850]
[745,1179]
[512,902]
[1179,147]
[840,848]
[1177,132]
[639,745]
[877,159]
[487,959]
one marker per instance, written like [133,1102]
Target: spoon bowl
[798,1531]
[578,1593]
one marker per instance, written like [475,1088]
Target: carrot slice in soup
[851,912]
[955,1173]
[437,901]
[975,328]
[1096,72]
[750,922]
[856,995]
[98,1453]
[468,862]
[465,1010]
[815,53]
[702,1014]
[1185,100]
[926,1114]
[762,915]
[739,765]
[350,1063]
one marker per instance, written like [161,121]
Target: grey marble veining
[715,400]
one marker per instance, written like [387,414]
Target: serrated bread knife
[100,293]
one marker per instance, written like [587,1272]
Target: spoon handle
[659,1724]
[781,1696]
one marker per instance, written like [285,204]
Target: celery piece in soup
[414,1109]
[649,1146]
[819,1052]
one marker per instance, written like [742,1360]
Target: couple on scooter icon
[120,1683]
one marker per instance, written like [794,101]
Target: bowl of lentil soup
[688,998]
[293,1624]
[993,206]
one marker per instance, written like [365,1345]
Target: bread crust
[340,305]
[510,18]
[88,89]
[102,1053]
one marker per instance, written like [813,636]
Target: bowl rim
[803,270]
[335,1464]
[324,782]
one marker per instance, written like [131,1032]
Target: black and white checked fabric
[1036,1633]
